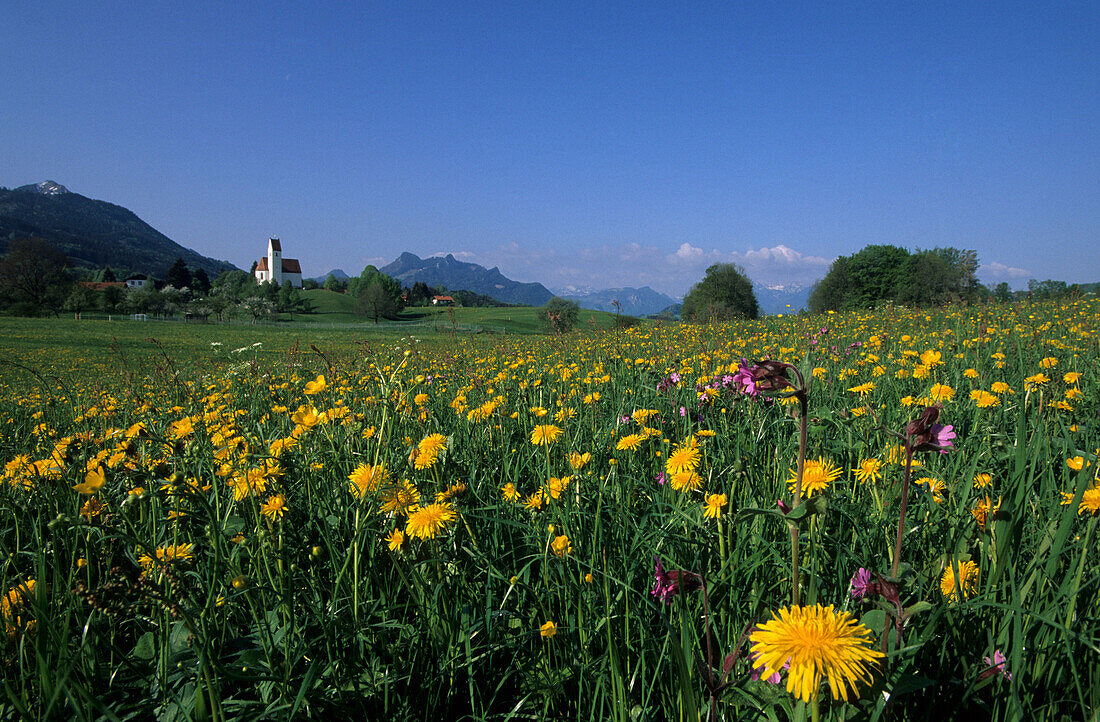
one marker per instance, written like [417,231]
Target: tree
[111,298]
[178,275]
[725,292]
[200,282]
[376,301]
[310,284]
[33,273]
[1002,292]
[109,275]
[80,299]
[560,315]
[928,280]
[332,283]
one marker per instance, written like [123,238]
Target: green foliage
[33,276]
[724,293]
[880,274]
[560,315]
[178,275]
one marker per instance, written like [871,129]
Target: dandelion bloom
[1036,381]
[427,521]
[869,470]
[712,508]
[395,540]
[1000,387]
[941,392]
[367,478]
[400,498]
[14,610]
[170,554]
[981,481]
[683,458]
[686,481]
[817,642]
[1048,363]
[984,399]
[983,511]
[1072,377]
[965,574]
[561,546]
[1090,501]
[579,461]
[863,389]
[508,491]
[630,442]
[274,507]
[548,630]
[545,434]
[816,477]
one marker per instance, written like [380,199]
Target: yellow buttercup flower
[316,386]
[561,546]
[712,507]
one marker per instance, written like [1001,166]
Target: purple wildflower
[942,436]
[997,664]
[861,583]
[668,584]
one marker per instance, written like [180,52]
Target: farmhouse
[442,301]
[137,281]
[273,268]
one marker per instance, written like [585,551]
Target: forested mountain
[449,272]
[93,233]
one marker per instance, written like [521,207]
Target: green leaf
[145,647]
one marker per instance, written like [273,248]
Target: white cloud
[634,264]
[999,271]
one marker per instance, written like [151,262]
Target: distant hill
[451,273]
[93,233]
[635,301]
[337,272]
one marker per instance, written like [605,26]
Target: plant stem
[904,503]
[803,414]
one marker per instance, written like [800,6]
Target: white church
[276,269]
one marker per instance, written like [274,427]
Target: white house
[137,282]
[273,268]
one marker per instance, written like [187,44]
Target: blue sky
[589,144]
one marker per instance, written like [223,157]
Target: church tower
[275,260]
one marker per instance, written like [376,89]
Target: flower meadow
[887,515]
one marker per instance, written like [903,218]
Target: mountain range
[457,275]
[93,233]
[632,301]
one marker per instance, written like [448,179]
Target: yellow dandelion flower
[984,510]
[395,540]
[863,389]
[400,498]
[817,475]
[959,578]
[683,458]
[1072,377]
[1036,381]
[274,507]
[366,479]
[686,481]
[428,521]
[579,461]
[1048,363]
[712,508]
[869,470]
[508,491]
[817,642]
[630,442]
[981,481]
[545,434]
[941,392]
[1090,501]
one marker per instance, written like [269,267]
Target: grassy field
[613,524]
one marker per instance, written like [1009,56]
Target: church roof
[276,246]
[290,265]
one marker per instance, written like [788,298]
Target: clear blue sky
[598,144]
